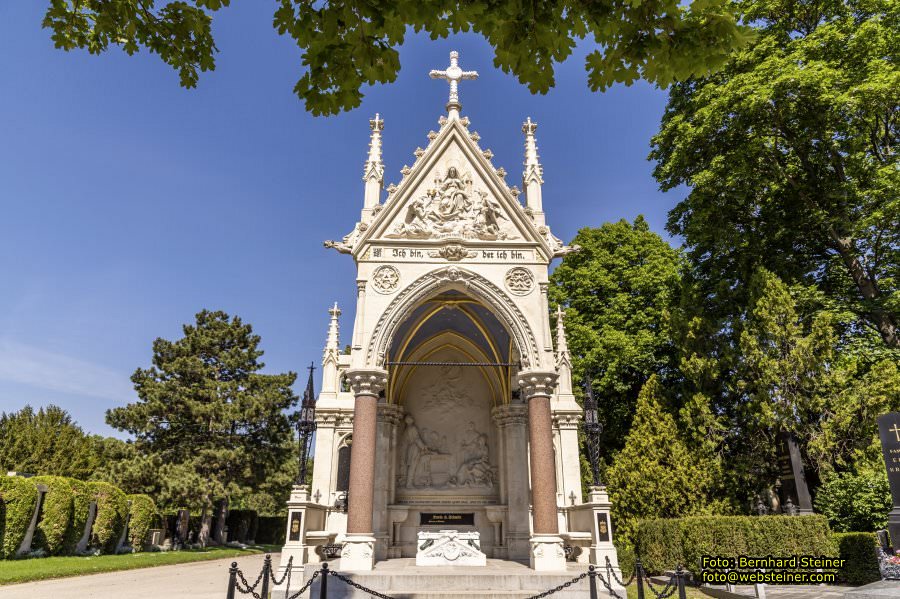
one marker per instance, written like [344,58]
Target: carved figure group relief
[470,464]
[453,208]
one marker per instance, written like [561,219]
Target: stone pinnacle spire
[532,176]
[562,347]
[563,359]
[373,172]
[332,343]
[453,75]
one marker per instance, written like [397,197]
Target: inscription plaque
[296,521]
[602,527]
[445,518]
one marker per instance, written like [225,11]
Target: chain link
[249,590]
[303,590]
[359,586]
[564,585]
[287,573]
[667,591]
[612,573]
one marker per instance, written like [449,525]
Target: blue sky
[127,203]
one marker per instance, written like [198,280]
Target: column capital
[509,415]
[367,381]
[537,383]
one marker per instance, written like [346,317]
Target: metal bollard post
[323,588]
[639,574]
[232,580]
[267,573]
[679,577]
[592,581]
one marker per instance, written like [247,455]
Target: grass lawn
[24,570]
[691,592]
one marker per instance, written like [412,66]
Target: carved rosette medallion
[519,280]
[386,279]
[453,253]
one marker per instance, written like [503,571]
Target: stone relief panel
[447,440]
[454,206]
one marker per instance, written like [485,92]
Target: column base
[547,553]
[358,552]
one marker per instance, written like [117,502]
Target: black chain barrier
[237,582]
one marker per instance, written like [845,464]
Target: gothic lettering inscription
[451,253]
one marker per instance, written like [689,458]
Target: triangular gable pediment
[452,192]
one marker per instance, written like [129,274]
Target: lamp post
[592,429]
[306,426]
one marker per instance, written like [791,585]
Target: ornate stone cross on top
[453,74]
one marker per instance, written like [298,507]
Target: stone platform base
[883,589]
[402,579]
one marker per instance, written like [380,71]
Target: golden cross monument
[453,74]
[896,431]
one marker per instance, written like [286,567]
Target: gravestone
[889,431]
[794,493]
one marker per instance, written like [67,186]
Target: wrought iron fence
[237,582]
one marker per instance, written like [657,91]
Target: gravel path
[199,580]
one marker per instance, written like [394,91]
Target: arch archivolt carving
[460,279]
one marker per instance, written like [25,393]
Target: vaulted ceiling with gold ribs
[449,332]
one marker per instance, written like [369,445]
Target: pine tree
[207,415]
[655,476]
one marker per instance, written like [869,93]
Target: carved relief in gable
[453,208]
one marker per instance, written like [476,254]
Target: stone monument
[889,432]
[455,395]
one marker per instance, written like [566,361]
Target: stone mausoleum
[449,433]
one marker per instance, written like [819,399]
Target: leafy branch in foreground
[349,44]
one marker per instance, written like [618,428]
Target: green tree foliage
[784,377]
[618,292]
[56,514]
[655,476]
[347,45]
[790,154]
[855,502]
[207,420]
[45,442]
[18,498]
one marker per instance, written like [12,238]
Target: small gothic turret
[331,353]
[563,359]
[373,172]
[533,175]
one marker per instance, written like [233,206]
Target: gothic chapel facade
[454,408]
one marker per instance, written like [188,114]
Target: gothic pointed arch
[464,281]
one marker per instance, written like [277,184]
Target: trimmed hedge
[241,525]
[858,549]
[270,530]
[112,509]
[143,512]
[664,543]
[56,514]
[81,507]
[18,498]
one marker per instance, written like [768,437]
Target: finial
[453,75]
[533,175]
[562,347]
[373,171]
[333,340]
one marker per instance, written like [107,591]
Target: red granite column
[546,546]
[359,548]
